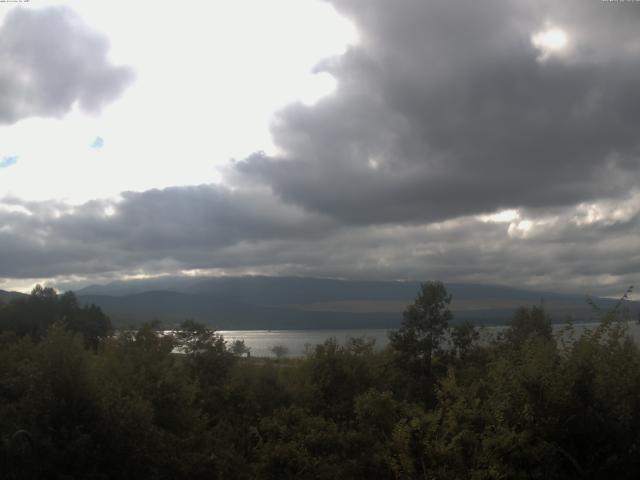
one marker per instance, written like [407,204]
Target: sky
[489,142]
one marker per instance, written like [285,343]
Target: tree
[89,320]
[34,315]
[423,326]
[196,339]
[43,294]
[527,322]
[463,337]
[239,348]
[206,352]
[280,351]
[335,374]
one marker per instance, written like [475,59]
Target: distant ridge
[280,290]
[260,302]
[6,296]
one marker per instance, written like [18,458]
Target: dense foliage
[79,402]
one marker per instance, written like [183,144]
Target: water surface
[298,341]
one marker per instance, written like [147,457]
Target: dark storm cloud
[49,60]
[446,109]
[184,227]
[593,248]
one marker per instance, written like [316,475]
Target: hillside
[8,296]
[308,303]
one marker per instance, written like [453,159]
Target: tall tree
[424,324]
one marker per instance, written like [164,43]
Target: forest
[80,401]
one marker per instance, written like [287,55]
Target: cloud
[213,229]
[8,161]
[443,111]
[51,60]
[452,148]
[180,227]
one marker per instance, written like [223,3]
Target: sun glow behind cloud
[503,216]
[550,41]
[520,226]
[209,77]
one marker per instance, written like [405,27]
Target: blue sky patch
[98,143]
[8,161]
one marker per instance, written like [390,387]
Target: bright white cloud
[8,207]
[209,76]
[503,216]
[608,212]
[520,227]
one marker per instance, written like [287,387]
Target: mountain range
[260,302]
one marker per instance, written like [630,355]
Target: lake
[297,341]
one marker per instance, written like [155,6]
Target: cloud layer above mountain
[215,230]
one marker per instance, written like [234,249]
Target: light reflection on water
[297,341]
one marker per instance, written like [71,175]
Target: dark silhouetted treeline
[79,403]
